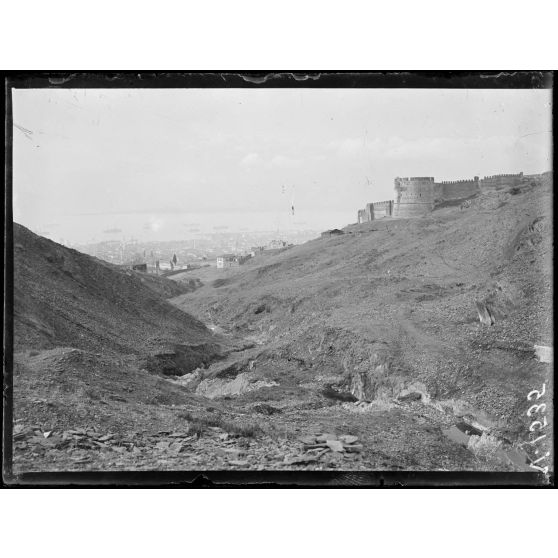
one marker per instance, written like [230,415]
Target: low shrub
[198,425]
[330,393]
[220,283]
[247,430]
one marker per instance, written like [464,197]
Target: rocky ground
[79,411]
[145,423]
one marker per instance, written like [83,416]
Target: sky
[154,164]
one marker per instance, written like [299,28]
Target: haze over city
[154,164]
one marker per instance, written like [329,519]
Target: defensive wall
[375,210]
[416,196]
[382,209]
[501,180]
[456,189]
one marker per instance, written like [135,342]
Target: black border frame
[485,79]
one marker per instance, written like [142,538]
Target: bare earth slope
[65,298]
[387,312]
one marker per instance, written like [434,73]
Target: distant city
[203,249]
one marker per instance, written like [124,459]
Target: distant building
[231,260]
[140,267]
[274,244]
[227,260]
[332,232]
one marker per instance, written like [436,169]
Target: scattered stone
[231,452]
[175,447]
[485,315]
[325,437]
[348,439]
[353,448]
[413,396]
[38,440]
[544,353]
[299,459]
[265,409]
[335,445]
[334,457]
[313,447]
[319,453]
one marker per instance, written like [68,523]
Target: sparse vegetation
[330,393]
[198,425]
[219,283]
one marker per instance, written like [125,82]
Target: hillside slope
[63,298]
[390,308]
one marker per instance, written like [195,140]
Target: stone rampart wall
[382,209]
[456,189]
[501,180]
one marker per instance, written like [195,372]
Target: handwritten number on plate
[535,391]
[535,409]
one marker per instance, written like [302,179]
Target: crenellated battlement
[501,180]
[518,175]
[416,179]
[463,181]
[456,189]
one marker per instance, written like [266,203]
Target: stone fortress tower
[414,197]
